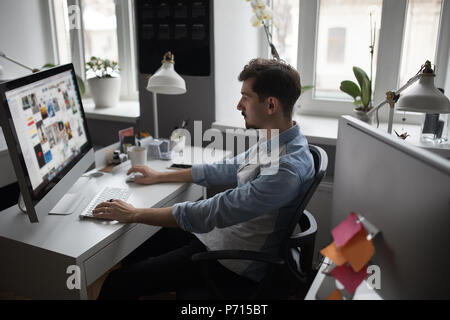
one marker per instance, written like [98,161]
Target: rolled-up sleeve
[219,173]
[252,199]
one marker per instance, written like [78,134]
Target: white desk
[35,257]
[323,285]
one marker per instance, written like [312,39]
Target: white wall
[236,42]
[25,35]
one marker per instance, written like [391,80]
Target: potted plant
[362,94]
[104,83]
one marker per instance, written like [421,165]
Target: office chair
[287,272]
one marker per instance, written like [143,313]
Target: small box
[159,149]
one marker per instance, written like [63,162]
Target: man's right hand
[149,176]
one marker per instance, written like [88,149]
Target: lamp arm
[3,55]
[401,89]
[409,83]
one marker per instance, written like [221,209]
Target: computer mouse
[132,176]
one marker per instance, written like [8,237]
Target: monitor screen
[46,122]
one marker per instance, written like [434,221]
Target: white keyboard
[104,195]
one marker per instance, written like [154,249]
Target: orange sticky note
[335,295]
[334,254]
[358,250]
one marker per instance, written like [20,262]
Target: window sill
[323,131]
[126,111]
[318,130]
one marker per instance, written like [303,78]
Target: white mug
[137,155]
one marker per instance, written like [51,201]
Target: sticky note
[358,250]
[334,254]
[346,230]
[335,295]
[349,278]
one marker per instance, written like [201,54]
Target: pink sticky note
[346,230]
[349,278]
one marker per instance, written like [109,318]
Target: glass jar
[435,128]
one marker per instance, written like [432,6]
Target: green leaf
[306,88]
[48,65]
[350,88]
[364,84]
[81,85]
[357,102]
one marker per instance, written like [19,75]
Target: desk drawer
[114,252]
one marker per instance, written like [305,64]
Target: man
[252,216]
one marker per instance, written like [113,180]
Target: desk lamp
[3,55]
[165,81]
[424,97]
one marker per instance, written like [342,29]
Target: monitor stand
[67,205]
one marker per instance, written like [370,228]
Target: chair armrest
[300,238]
[237,255]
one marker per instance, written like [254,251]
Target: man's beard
[249,125]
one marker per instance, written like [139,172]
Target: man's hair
[274,78]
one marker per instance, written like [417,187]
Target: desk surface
[95,245]
[84,235]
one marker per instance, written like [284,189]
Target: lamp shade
[166,80]
[424,97]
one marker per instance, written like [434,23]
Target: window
[339,20]
[336,45]
[285,35]
[422,24]
[103,28]
[334,36]
[100,29]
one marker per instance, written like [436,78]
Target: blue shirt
[253,215]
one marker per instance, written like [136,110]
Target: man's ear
[273,105]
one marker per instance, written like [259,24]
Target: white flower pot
[361,115]
[105,91]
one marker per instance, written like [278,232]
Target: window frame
[390,43]
[126,40]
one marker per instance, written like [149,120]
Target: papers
[349,278]
[346,230]
[334,254]
[358,251]
[351,251]
[335,295]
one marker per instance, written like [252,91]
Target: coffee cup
[137,155]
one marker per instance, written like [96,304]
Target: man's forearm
[155,216]
[176,176]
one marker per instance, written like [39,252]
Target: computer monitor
[46,132]
[404,191]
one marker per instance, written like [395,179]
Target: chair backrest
[320,167]
[304,239]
